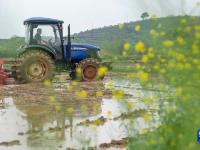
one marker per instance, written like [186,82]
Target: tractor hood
[83,46]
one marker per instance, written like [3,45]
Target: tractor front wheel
[34,66]
[87,69]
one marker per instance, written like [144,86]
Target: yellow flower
[197,28]
[154,33]
[150,53]
[124,53]
[138,66]
[180,41]
[58,107]
[131,76]
[109,84]
[118,94]
[178,91]
[82,94]
[143,76]
[99,93]
[195,61]
[137,28]
[140,47]
[98,122]
[61,79]
[143,131]
[127,46]
[52,98]
[95,107]
[47,83]
[130,105]
[69,88]
[163,71]
[187,29]
[150,50]
[152,142]
[154,17]
[109,113]
[147,117]
[183,21]
[197,35]
[162,33]
[78,70]
[115,58]
[102,71]
[195,49]
[145,59]
[188,66]
[180,57]
[156,67]
[74,83]
[84,108]
[121,26]
[168,43]
[148,100]
[70,110]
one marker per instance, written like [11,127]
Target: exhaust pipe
[69,46]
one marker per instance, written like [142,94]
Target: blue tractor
[45,46]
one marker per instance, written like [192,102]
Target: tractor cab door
[47,35]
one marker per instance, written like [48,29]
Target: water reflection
[71,115]
[54,122]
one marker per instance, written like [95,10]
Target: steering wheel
[49,42]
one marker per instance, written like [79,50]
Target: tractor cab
[45,32]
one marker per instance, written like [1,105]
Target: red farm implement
[3,74]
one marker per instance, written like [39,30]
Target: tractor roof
[42,20]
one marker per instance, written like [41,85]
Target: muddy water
[68,119]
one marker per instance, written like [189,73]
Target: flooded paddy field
[75,115]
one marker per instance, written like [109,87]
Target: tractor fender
[45,48]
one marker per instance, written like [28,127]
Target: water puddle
[79,118]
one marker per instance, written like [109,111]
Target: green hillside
[112,38]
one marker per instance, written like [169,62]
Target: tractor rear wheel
[34,66]
[88,69]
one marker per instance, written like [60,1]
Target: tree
[144,15]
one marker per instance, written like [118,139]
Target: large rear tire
[34,66]
[88,69]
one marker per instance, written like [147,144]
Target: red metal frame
[3,74]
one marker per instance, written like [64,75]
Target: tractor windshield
[46,35]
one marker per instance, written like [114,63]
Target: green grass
[8,47]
